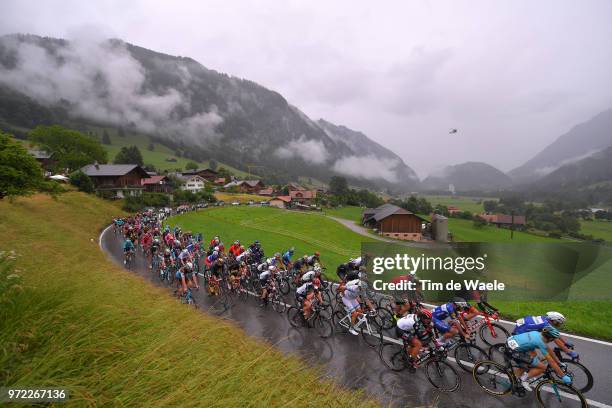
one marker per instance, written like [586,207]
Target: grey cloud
[100,80]
[311,151]
[367,167]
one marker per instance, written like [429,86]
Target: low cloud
[368,167]
[311,151]
[101,81]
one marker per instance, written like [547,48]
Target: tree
[82,181]
[338,185]
[150,167]
[191,166]
[129,155]
[105,138]
[212,163]
[151,146]
[489,205]
[71,149]
[20,173]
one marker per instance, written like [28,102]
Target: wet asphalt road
[349,361]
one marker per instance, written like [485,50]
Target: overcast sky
[511,76]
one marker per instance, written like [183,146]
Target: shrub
[82,181]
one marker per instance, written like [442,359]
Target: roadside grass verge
[113,339]
[348,212]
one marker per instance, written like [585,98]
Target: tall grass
[80,322]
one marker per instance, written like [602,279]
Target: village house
[44,158]
[205,173]
[504,220]
[193,183]
[220,181]
[266,192]
[246,186]
[394,222]
[157,184]
[453,209]
[295,187]
[120,180]
[280,202]
[304,197]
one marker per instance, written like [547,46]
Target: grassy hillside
[157,156]
[348,212]
[464,231]
[113,339]
[472,204]
[278,230]
[598,229]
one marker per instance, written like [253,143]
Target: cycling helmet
[167,252]
[277,254]
[317,254]
[460,302]
[242,247]
[291,250]
[424,315]
[551,332]
[189,266]
[317,269]
[555,318]
[215,253]
[216,248]
[305,257]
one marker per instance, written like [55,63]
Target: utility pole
[512,225]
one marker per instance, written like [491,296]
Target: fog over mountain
[581,141]
[178,100]
[510,76]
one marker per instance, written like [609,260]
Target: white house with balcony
[193,183]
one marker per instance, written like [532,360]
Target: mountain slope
[581,141]
[179,102]
[470,176]
[583,174]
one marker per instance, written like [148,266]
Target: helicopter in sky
[452,131]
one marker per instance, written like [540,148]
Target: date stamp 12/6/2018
[33,394]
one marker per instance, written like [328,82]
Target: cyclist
[313,259]
[305,294]
[312,274]
[167,259]
[415,329]
[265,279]
[216,271]
[452,312]
[128,248]
[287,257]
[524,348]
[235,249]
[555,319]
[183,275]
[350,299]
[155,249]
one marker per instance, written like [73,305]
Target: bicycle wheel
[582,379]
[323,327]
[341,321]
[497,353]
[384,318]
[466,355]
[499,335]
[553,393]
[442,375]
[371,333]
[278,305]
[393,356]
[294,316]
[283,286]
[493,377]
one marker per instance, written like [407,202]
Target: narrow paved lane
[345,358]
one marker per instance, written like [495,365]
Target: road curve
[344,358]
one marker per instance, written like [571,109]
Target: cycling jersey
[443,311]
[407,323]
[128,246]
[531,323]
[242,256]
[287,257]
[528,341]
[298,264]
[311,260]
[304,289]
[356,263]
[264,276]
[308,276]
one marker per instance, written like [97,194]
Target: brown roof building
[206,174]
[156,184]
[119,179]
[394,222]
